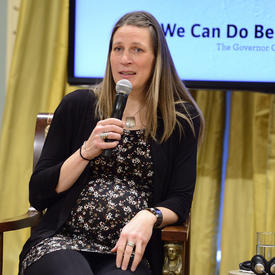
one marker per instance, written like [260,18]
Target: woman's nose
[126,58]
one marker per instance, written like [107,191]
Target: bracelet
[81,152]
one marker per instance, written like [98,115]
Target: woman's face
[132,56]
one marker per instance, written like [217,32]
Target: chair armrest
[29,219]
[178,233]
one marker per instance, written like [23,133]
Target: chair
[175,238]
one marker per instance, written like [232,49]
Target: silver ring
[103,135]
[130,244]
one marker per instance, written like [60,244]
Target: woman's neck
[134,113]
[134,103]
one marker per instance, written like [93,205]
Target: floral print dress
[120,187]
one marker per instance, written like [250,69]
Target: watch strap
[158,215]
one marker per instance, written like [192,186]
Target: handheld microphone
[123,89]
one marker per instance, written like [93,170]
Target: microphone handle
[119,106]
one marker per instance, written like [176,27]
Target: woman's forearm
[70,171]
[169,217]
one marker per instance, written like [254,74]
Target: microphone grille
[124,86]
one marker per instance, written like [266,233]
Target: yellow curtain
[205,207]
[37,82]
[249,203]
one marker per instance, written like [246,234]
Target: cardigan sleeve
[182,178]
[57,148]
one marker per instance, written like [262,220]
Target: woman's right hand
[112,128]
[72,168]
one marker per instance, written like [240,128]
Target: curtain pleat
[270,202]
[36,83]
[206,203]
[249,203]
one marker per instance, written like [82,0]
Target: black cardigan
[174,164]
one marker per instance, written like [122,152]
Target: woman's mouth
[127,73]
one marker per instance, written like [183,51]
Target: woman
[104,214]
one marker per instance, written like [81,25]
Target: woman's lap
[60,262]
[107,265]
[71,262]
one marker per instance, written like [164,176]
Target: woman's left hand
[134,236]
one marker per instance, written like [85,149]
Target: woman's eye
[138,50]
[117,49]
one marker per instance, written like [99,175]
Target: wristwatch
[158,214]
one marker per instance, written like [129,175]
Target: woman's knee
[107,265]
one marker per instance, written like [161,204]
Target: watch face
[158,214]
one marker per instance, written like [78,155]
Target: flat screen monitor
[224,44]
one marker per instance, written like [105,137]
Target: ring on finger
[129,243]
[103,135]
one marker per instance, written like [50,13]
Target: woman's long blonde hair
[165,88]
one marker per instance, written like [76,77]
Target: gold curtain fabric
[205,207]
[37,83]
[249,203]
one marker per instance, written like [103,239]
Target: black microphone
[123,89]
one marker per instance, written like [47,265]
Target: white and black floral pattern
[120,187]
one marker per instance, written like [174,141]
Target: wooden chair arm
[175,233]
[29,219]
